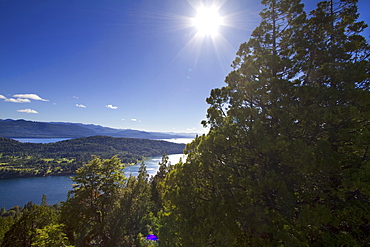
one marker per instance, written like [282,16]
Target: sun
[207,21]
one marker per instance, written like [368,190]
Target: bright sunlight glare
[207,21]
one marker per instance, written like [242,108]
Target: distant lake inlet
[40,140]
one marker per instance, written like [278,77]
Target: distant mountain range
[28,129]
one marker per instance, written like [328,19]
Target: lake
[40,140]
[19,191]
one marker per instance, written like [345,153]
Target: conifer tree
[132,213]
[286,158]
[88,212]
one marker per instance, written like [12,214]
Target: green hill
[35,159]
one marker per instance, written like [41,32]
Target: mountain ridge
[21,128]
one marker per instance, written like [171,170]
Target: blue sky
[133,64]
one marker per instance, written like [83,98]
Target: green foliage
[50,236]
[132,216]
[286,159]
[157,186]
[87,213]
[6,222]
[105,208]
[24,232]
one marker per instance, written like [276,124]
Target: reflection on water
[179,140]
[152,164]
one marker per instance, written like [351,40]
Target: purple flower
[152,237]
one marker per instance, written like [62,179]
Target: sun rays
[200,31]
[207,21]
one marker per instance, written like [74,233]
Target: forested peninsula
[65,157]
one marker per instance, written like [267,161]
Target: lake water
[19,191]
[40,140]
[179,140]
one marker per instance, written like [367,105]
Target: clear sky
[133,64]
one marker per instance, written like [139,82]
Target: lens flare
[207,21]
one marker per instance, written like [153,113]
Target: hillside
[28,129]
[60,158]
[23,128]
